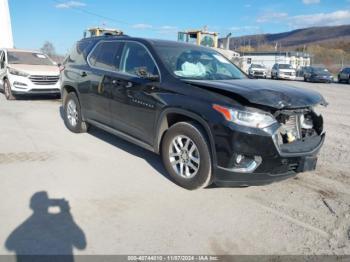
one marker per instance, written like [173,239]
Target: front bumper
[277,162]
[286,77]
[322,79]
[258,74]
[24,86]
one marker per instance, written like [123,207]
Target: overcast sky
[63,22]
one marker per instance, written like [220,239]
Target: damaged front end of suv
[300,130]
[274,133]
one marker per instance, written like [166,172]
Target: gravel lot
[122,203]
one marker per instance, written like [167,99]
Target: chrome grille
[44,80]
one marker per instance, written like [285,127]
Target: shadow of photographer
[46,236]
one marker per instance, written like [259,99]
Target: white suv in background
[283,71]
[25,72]
[257,71]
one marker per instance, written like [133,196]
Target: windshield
[257,66]
[285,66]
[28,58]
[192,62]
[319,70]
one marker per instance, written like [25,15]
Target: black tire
[349,81]
[80,126]
[8,91]
[191,130]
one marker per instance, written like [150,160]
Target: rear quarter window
[106,55]
[79,52]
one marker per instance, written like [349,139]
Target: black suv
[344,75]
[207,120]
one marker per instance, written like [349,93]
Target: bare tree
[48,48]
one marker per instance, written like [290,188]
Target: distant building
[295,59]
[6,39]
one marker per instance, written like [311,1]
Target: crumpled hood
[37,69]
[267,93]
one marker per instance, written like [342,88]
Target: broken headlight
[317,110]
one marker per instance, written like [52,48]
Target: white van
[24,72]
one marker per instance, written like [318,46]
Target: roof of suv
[150,41]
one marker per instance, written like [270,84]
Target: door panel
[134,107]
[134,101]
[99,96]
[103,61]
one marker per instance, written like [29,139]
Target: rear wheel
[186,156]
[72,114]
[8,90]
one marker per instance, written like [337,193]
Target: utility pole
[6,38]
[228,41]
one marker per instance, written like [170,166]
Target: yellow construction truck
[209,39]
[99,31]
[199,37]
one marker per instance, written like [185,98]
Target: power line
[95,14]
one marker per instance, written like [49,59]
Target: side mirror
[143,73]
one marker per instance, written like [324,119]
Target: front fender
[162,126]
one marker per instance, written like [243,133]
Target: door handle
[83,74]
[128,85]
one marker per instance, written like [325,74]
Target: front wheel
[8,90]
[72,114]
[186,155]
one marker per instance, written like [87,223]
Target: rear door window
[106,55]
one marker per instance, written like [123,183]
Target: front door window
[135,57]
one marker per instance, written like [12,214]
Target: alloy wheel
[6,90]
[184,157]
[72,113]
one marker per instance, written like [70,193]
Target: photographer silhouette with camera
[46,236]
